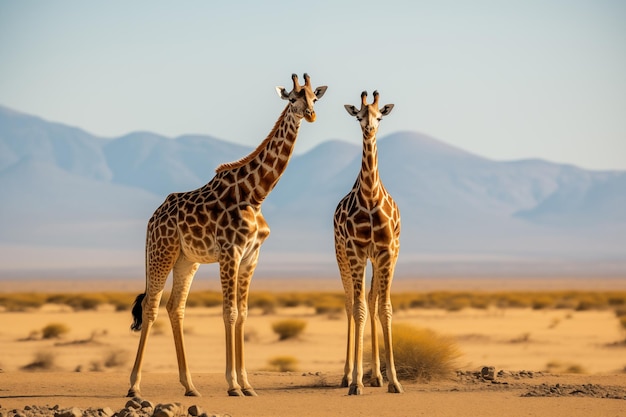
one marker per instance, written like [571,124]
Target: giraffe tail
[137,312]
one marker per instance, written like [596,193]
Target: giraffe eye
[359,118]
[292,100]
[379,119]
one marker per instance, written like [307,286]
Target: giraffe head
[369,116]
[302,97]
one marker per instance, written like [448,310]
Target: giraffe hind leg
[144,313]
[376,379]
[184,271]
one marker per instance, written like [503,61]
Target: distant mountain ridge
[63,187]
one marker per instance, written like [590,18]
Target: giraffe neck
[258,173]
[369,180]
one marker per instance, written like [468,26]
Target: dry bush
[204,299]
[283,363]
[568,368]
[620,311]
[294,299]
[328,304]
[542,302]
[54,331]
[116,358]
[288,328]
[420,354]
[22,301]
[265,301]
[44,361]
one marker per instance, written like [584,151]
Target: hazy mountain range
[74,200]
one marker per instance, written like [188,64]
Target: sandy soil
[550,343]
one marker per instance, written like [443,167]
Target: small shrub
[283,363]
[96,366]
[457,304]
[541,303]
[264,301]
[421,354]
[329,305]
[22,301]
[54,330]
[560,367]
[116,358]
[289,328]
[44,361]
[204,299]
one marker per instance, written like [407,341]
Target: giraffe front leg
[376,380]
[360,317]
[385,315]
[348,366]
[349,304]
[346,280]
[245,277]
[229,267]
[184,271]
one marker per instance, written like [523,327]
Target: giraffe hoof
[133,393]
[193,393]
[376,381]
[235,392]
[395,388]
[355,389]
[345,382]
[249,392]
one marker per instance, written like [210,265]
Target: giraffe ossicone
[367,228]
[218,222]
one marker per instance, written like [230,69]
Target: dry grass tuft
[44,361]
[421,354]
[283,363]
[54,330]
[568,368]
[116,358]
[288,328]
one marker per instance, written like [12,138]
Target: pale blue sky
[503,79]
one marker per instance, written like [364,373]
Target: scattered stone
[487,372]
[168,410]
[105,412]
[135,403]
[195,411]
[70,412]
[147,404]
[584,390]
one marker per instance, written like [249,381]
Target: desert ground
[548,362]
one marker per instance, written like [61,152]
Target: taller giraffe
[219,222]
[367,226]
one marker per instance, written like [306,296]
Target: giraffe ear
[282,93]
[386,110]
[351,109]
[319,91]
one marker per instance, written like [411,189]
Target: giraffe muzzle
[309,115]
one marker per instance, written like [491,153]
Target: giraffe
[218,222]
[367,227]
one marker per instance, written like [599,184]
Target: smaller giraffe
[367,227]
